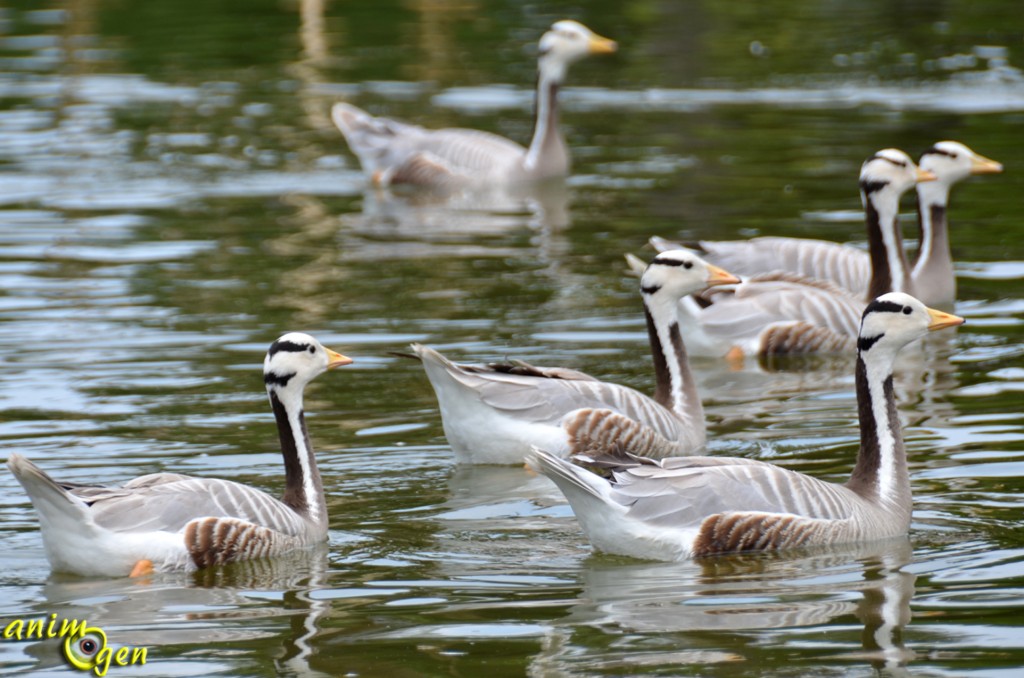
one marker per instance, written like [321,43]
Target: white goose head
[566,43]
[295,359]
[951,161]
[673,274]
[893,320]
[891,170]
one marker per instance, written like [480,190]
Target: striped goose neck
[304,491]
[880,474]
[933,254]
[547,136]
[674,385]
[889,267]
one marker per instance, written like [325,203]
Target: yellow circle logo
[83,651]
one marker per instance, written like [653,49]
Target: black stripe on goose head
[663,260]
[669,261]
[879,306]
[935,150]
[289,346]
[888,159]
[869,187]
[649,289]
[275,379]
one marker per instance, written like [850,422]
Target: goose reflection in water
[810,594]
[212,606]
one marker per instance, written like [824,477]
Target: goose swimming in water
[392,152]
[783,313]
[493,414]
[689,507]
[169,521]
[932,278]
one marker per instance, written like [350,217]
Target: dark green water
[173,196]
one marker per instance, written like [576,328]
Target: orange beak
[335,359]
[941,320]
[719,276]
[982,165]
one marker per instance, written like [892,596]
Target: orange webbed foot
[142,568]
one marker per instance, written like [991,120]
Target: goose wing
[685,491]
[167,502]
[843,265]
[547,394]
[535,394]
[781,313]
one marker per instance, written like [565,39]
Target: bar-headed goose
[169,521]
[950,161]
[851,268]
[688,507]
[392,152]
[785,313]
[493,414]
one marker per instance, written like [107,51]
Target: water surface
[173,197]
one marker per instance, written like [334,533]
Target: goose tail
[581,487]
[350,119]
[52,501]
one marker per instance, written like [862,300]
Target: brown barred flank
[217,541]
[799,337]
[597,431]
[738,532]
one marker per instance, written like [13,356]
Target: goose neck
[880,474]
[303,486]
[547,139]
[674,384]
[890,271]
[934,258]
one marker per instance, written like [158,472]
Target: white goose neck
[675,388]
[546,132]
[934,256]
[886,243]
[880,474]
[303,488]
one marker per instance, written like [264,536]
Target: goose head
[673,274]
[295,359]
[891,171]
[566,43]
[893,320]
[951,161]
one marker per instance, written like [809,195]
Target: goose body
[493,414]
[392,152]
[850,268]
[786,313]
[170,521]
[680,508]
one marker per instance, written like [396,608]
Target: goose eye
[907,310]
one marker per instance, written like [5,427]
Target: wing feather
[170,502]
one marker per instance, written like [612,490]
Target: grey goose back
[786,313]
[493,414]
[850,268]
[392,152]
[169,521]
[681,508]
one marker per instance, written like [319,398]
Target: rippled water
[172,197]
